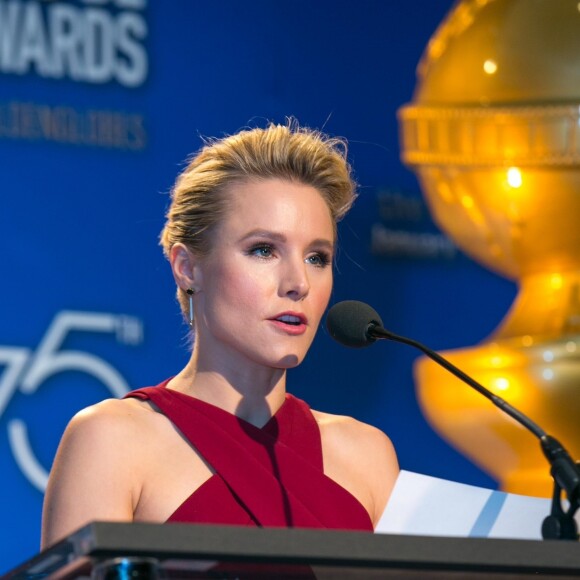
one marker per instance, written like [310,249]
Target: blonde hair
[288,152]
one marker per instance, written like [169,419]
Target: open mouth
[291,320]
[291,324]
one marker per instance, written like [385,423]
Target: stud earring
[190,293]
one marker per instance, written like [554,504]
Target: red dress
[270,476]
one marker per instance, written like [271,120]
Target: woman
[250,236]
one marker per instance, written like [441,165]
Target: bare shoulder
[95,471]
[357,441]
[359,457]
[105,440]
[347,429]
[112,421]
[110,413]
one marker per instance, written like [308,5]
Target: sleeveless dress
[268,477]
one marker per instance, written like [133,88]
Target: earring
[190,293]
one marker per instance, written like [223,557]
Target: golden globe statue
[493,134]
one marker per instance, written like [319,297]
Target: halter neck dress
[269,477]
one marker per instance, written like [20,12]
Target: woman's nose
[295,283]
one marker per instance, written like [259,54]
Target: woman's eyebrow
[260,233]
[278,237]
[322,243]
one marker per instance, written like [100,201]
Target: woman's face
[267,279]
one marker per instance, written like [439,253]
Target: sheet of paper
[425,505]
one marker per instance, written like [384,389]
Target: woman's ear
[185,267]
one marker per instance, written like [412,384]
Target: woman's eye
[262,251]
[320,260]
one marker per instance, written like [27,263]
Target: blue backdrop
[100,103]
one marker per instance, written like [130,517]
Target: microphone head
[348,323]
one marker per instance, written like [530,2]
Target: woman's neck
[253,393]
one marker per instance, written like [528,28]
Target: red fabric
[270,477]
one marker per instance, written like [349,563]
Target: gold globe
[493,134]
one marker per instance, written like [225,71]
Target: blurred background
[101,102]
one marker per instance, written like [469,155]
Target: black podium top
[196,551]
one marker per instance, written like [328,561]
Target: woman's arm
[94,475]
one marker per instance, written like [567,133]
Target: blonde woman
[250,236]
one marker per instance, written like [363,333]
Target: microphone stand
[560,524]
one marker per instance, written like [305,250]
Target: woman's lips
[293,323]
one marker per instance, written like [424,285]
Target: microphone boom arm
[560,524]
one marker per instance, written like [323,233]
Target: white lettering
[65,33]
[86,44]
[33,47]
[99,48]
[9,19]
[131,28]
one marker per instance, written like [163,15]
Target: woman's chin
[289,361]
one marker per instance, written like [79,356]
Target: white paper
[429,506]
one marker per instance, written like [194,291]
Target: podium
[228,552]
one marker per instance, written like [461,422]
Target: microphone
[351,323]
[357,325]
